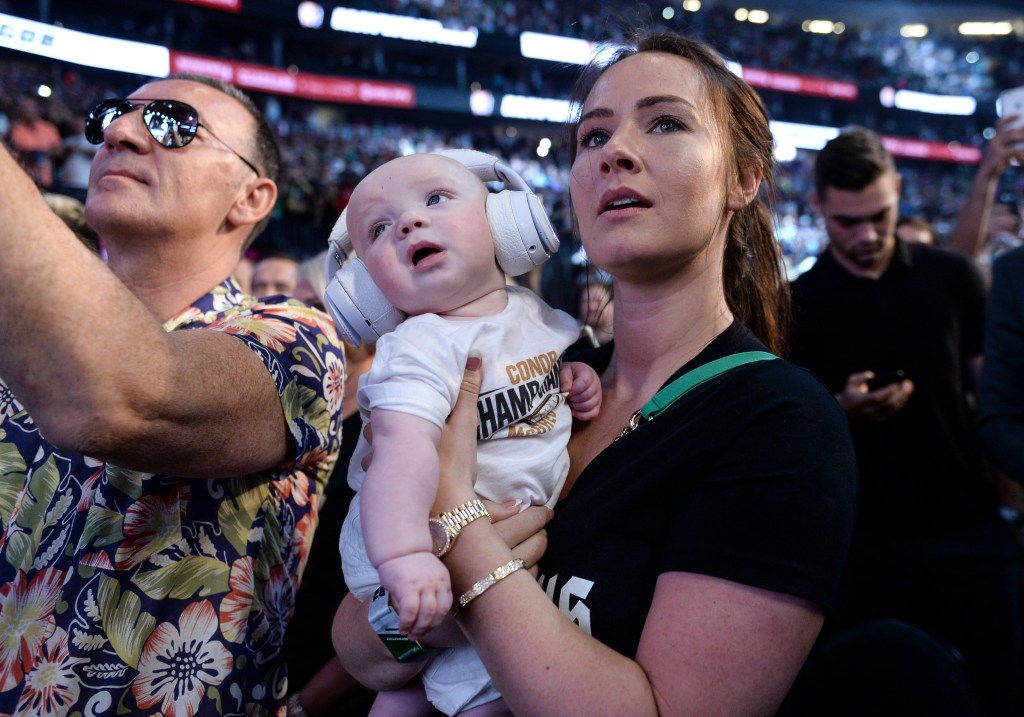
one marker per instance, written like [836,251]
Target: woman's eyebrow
[599,112]
[663,99]
[642,103]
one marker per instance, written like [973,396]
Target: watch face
[439,537]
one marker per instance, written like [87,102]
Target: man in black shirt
[895,331]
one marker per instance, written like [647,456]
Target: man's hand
[860,403]
[1001,150]
[422,591]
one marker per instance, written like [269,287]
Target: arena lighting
[801,136]
[81,48]
[44,91]
[668,13]
[311,14]
[481,102]
[416,29]
[819,27]
[784,152]
[534,108]
[914,30]
[539,46]
[932,104]
[758,17]
[741,14]
[691,5]
[985,28]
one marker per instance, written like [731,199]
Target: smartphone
[885,378]
[1011,102]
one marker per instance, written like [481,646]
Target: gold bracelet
[481,586]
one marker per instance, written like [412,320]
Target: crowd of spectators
[870,51]
[866,52]
[327,148]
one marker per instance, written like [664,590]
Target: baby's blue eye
[436,199]
[377,230]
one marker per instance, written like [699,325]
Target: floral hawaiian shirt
[132,593]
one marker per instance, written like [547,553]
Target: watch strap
[458,518]
[454,520]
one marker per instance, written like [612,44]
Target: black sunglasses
[171,123]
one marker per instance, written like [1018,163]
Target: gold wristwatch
[445,528]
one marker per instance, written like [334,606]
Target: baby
[420,224]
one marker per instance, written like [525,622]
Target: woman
[699,552]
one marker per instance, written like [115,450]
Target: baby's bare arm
[395,501]
[400,485]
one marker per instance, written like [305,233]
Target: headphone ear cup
[523,235]
[358,307]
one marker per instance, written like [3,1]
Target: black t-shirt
[920,470]
[750,477]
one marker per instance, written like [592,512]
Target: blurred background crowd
[328,146]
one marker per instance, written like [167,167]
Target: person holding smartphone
[1004,149]
[895,330]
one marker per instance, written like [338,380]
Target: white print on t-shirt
[575,587]
[530,401]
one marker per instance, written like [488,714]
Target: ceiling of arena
[851,11]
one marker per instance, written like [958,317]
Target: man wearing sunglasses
[164,438]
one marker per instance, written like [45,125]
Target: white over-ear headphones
[522,233]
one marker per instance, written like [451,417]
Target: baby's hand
[421,588]
[583,385]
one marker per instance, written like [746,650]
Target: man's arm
[1001,392]
[101,377]
[971,227]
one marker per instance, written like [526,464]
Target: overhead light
[541,46]
[819,27]
[914,30]
[481,102]
[934,104]
[311,14]
[404,28]
[985,28]
[534,108]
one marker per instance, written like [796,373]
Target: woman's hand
[523,531]
[457,451]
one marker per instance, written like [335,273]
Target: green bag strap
[689,381]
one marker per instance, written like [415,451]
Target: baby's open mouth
[422,253]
